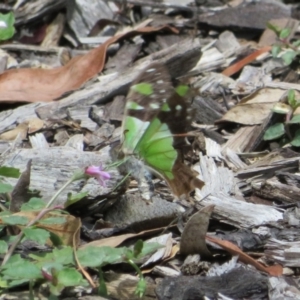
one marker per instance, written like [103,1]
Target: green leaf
[149,248]
[9,172]
[15,220]
[284,33]
[294,120]
[276,50]
[296,141]
[3,247]
[64,256]
[296,43]
[288,57]
[75,198]
[55,239]
[274,28]
[5,188]
[143,88]
[33,204]
[274,132]
[69,277]
[138,247]
[281,108]
[53,220]
[99,256]
[23,269]
[291,98]
[36,234]
[7,29]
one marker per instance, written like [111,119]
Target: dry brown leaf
[253,109]
[193,236]
[115,241]
[247,60]
[235,250]
[65,231]
[11,135]
[34,125]
[44,85]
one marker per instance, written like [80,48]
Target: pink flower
[98,173]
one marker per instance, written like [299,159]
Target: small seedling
[285,49]
[283,129]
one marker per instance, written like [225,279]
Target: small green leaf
[5,188]
[274,28]
[99,256]
[75,198]
[22,270]
[36,234]
[143,88]
[53,220]
[3,247]
[281,108]
[33,204]
[9,172]
[294,120]
[291,98]
[296,141]
[182,90]
[276,50]
[296,43]
[7,29]
[14,220]
[284,33]
[138,247]
[69,277]
[274,132]
[64,256]
[288,57]
[150,248]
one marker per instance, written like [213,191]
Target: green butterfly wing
[155,121]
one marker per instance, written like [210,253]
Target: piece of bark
[276,191]
[82,18]
[238,283]
[207,110]
[285,253]
[32,10]
[178,59]
[249,16]
[53,57]
[38,141]
[52,167]
[54,31]
[220,184]
[283,288]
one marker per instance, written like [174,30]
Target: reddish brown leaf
[240,64]
[36,85]
[235,250]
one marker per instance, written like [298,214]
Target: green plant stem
[58,192]
[137,269]
[286,126]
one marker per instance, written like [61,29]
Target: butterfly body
[155,120]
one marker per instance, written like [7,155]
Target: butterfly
[156,119]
